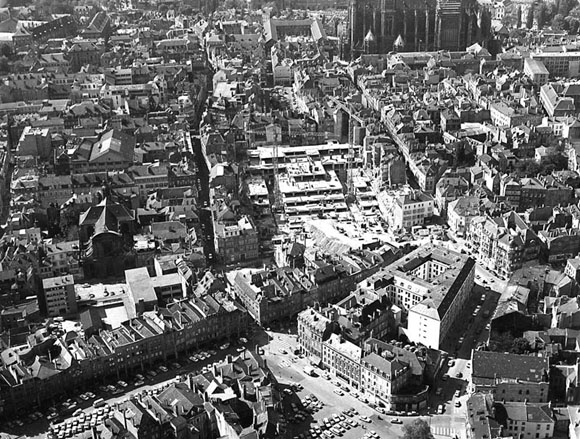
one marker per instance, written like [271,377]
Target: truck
[308,370]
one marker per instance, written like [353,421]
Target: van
[99,403]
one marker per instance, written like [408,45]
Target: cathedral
[382,26]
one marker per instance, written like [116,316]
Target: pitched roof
[105,216]
[503,365]
[114,142]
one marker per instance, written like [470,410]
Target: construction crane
[350,159]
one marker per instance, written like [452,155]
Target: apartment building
[313,329]
[559,244]
[536,71]
[381,375]
[236,242]
[559,64]
[58,296]
[502,244]
[526,420]
[136,344]
[342,359]
[405,208]
[510,377]
[431,285]
[59,259]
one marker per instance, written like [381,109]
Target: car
[243,340]
[396,421]
[122,384]
[91,395]
[440,409]
[163,369]
[451,362]
[176,365]
[339,392]
[459,375]
[439,391]
[457,403]
[283,351]
[457,393]
[364,418]
[445,377]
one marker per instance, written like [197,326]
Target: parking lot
[72,415]
[288,369]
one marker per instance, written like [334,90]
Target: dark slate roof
[502,365]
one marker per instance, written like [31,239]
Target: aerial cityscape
[304,219]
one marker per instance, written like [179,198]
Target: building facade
[58,294]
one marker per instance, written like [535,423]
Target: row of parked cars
[80,423]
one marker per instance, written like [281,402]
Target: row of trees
[561,15]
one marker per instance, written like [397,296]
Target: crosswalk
[444,431]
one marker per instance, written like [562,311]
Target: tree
[572,24]
[530,18]
[187,11]
[418,429]
[520,346]
[558,22]
[541,14]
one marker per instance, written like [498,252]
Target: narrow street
[203,201]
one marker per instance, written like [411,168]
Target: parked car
[396,421]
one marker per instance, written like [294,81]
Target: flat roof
[140,285]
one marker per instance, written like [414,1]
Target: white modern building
[431,285]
